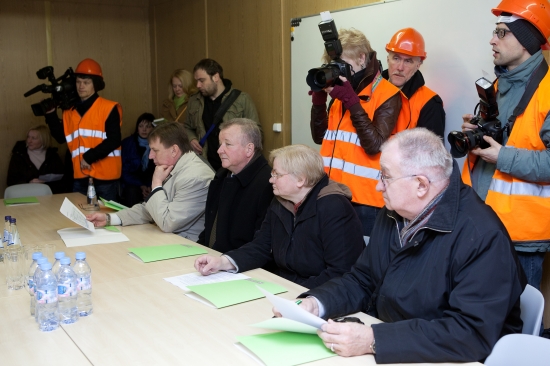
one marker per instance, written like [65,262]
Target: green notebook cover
[162,252]
[286,348]
[20,201]
[229,293]
[113,205]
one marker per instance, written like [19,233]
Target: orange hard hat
[408,41]
[89,67]
[536,12]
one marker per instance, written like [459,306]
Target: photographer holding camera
[360,117]
[513,177]
[91,129]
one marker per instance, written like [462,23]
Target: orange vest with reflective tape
[86,132]
[524,206]
[344,159]
[410,111]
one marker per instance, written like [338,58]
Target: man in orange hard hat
[513,176]
[422,107]
[92,131]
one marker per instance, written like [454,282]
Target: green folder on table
[162,252]
[20,201]
[286,348]
[112,204]
[229,293]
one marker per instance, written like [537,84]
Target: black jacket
[448,295]
[240,202]
[22,170]
[321,242]
[432,114]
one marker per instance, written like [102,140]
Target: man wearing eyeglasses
[421,107]
[240,193]
[439,271]
[513,177]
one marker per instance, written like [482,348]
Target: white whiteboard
[456,34]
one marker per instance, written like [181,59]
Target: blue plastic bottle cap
[7,218]
[59,255]
[45,266]
[36,255]
[13,220]
[41,260]
[65,260]
[80,255]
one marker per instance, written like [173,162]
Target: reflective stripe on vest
[523,206]
[86,133]
[344,159]
[82,150]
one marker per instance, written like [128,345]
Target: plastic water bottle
[91,196]
[66,292]
[5,237]
[57,264]
[37,274]
[84,284]
[46,299]
[29,283]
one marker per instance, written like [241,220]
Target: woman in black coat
[311,230]
[34,161]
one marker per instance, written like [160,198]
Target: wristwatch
[373,346]
[108,219]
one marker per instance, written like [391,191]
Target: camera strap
[218,117]
[530,89]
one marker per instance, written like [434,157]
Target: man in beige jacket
[179,189]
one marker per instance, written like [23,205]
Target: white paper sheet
[196,278]
[76,236]
[73,213]
[285,324]
[290,310]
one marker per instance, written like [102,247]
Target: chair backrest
[520,349]
[532,306]
[27,190]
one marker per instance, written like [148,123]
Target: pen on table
[298,302]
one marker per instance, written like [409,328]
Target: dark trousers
[367,216]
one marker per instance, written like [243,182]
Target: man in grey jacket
[512,175]
[179,188]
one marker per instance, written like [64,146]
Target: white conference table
[138,318]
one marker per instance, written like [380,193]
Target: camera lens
[459,143]
[322,77]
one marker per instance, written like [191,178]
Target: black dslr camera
[62,89]
[486,121]
[328,74]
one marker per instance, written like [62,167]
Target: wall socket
[277,127]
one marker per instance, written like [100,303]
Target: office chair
[520,349]
[27,190]
[532,305]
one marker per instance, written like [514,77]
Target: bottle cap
[7,218]
[80,255]
[36,255]
[12,220]
[41,260]
[65,260]
[45,266]
[59,255]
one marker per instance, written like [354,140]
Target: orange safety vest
[411,108]
[344,159]
[523,206]
[85,133]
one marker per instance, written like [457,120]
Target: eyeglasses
[277,175]
[386,180]
[501,32]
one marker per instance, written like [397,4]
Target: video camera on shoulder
[328,74]
[485,119]
[62,89]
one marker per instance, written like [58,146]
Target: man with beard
[203,114]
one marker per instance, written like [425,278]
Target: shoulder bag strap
[218,117]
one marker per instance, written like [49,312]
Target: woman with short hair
[33,158]
[310,231]
[180,86]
